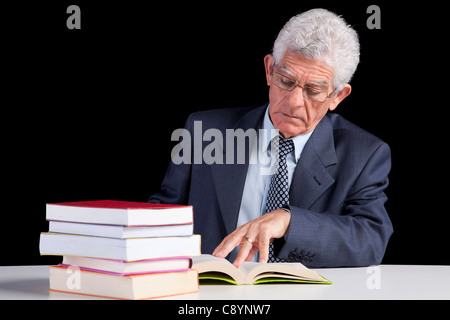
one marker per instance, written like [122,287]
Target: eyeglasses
[311,92]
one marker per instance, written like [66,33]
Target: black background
[88,114]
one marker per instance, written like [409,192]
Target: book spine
[123,274]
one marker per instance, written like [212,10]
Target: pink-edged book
[127,268]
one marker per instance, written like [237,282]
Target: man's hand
[255,236]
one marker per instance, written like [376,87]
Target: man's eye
[287,82]
[312,91]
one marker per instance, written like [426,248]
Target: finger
[244,250]
[252,253]
[221,251]
[264,243]
[229,243]
[218,249]
[247,242]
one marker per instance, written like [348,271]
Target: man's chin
[289,131]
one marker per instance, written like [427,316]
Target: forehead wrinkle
[293,63]
[319,83]
[287,71]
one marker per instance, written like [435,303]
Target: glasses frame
[297,85]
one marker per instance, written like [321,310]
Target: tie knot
[285,146]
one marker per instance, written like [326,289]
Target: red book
[123,213]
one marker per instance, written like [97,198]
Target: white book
[119,249]
[120,232]
[123,213]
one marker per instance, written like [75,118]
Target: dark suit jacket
[336,195]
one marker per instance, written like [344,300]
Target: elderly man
[323,203]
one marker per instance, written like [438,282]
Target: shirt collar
[299,141]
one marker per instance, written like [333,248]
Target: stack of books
[121,249]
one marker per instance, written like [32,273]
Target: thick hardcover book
[134,287]
[123,213]
[119,249]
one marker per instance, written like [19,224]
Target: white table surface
[383,282]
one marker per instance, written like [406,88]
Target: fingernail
[236,263]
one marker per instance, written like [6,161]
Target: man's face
[290,112]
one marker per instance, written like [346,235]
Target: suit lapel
[229,179]
[311,177]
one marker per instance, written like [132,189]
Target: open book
[213,268]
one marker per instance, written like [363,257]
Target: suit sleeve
[176,183]
[355,234]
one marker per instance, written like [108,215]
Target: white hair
[321,34]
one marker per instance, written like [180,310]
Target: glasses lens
[283,82]
[312,93]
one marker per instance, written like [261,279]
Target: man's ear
[268,64]
[340,96]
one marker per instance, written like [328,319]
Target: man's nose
[296,97]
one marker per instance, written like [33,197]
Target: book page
[207,264]
[283,270]
[248,267]
[206,258]
[210,267]
[254,271]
